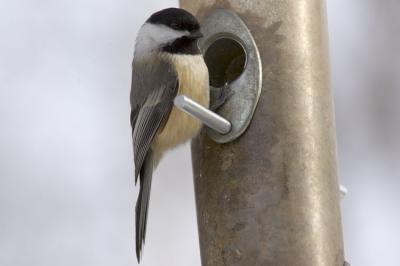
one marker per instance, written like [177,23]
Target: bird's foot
[218,96]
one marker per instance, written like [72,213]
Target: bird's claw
[219,96]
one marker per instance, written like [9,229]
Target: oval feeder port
[232,57]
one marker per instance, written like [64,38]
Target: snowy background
[66,185]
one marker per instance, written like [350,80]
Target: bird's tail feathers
[142,203]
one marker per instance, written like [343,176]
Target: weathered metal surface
[222,24]
[271,197]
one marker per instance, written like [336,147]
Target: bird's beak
[195,35]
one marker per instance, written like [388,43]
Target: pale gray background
[66,187]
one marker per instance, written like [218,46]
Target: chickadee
[167,62]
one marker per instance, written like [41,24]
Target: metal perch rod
[207,117]
[343,191]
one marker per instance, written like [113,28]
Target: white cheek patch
[152,36]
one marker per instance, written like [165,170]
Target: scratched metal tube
[206,116]
[271,197]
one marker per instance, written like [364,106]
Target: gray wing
[154,87]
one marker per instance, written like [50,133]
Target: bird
[167,62]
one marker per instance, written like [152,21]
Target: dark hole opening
[225,59]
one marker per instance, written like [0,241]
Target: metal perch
[207,117]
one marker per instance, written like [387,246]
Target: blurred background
[66,177]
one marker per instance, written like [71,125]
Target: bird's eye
[174,25]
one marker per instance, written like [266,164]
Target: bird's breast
[194,83]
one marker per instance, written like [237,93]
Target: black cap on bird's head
[175,18]
[171,30]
